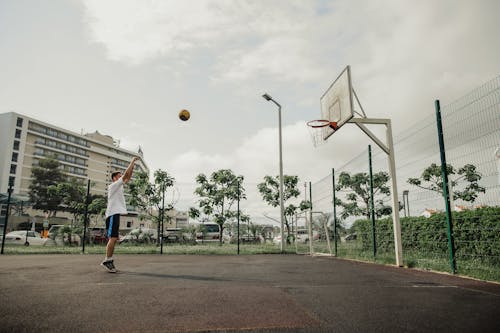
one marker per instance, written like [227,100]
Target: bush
[475,234]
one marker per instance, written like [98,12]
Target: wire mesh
[471,127]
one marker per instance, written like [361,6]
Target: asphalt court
[257,293]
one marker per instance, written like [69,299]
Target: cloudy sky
[126,68]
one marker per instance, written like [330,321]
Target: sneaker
[109,266]
[113,265]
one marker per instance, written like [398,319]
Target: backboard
[336,102]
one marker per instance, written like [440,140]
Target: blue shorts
[112,225]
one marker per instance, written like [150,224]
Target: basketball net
[317,130]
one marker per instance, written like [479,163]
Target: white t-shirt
[116,199]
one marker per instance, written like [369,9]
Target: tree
[45,175]
[194,213]
[148,197]
[255,230]
[73,193]
[467,177]
[97,206]
[218,195]
[269,189]
[357,188]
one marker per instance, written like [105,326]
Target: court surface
[258,293]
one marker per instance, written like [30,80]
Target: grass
[475,267]
[469,266]
[203,249]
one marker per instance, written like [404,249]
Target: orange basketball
[184,115]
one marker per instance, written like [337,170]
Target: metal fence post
[446,195]
[311,236]
[372,206]
[9,191]
[238,231]
[334,212]
[86,216]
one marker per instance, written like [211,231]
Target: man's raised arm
[128,173]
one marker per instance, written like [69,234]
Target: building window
[16,145]
[18,133]
[13,169]
[12,179]
[14,157]
[129,224]
[19,122]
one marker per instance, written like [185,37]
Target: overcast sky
[126,68]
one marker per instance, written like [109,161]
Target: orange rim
[322,123]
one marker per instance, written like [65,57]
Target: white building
[24,141]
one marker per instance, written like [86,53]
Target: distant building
[24,141]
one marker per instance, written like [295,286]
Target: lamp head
[267,97]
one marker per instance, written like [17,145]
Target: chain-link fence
[471,127]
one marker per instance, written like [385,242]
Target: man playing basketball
[116,207]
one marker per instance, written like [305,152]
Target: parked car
[211,233]
[302,236]
[351,237]
[277,240]
[24,237]
[140,235]
[244,238]
[60,234]
[97,235]
[176,235]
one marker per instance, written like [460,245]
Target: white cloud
[258,156]
[247,37]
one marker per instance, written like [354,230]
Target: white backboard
[336,102]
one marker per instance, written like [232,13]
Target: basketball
[184,115]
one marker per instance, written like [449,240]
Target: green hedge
[476,234]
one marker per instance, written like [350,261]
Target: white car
[23,237]
[302,236]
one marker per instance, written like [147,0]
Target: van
[211,233]
[302,236]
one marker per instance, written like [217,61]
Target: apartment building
[24,141]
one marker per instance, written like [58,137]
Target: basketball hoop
[318,128]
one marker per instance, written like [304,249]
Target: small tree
[45,175]
[218,195]
[97,206]
[357,187]
[255,229]
[73,193]
[148,197]
[269,190]
[466,176]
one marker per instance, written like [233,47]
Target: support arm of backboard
[388,148]
[360,123]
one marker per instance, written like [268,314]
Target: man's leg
[110,248]
[112,226]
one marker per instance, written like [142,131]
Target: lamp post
[282,206]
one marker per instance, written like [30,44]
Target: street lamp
[282,207]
